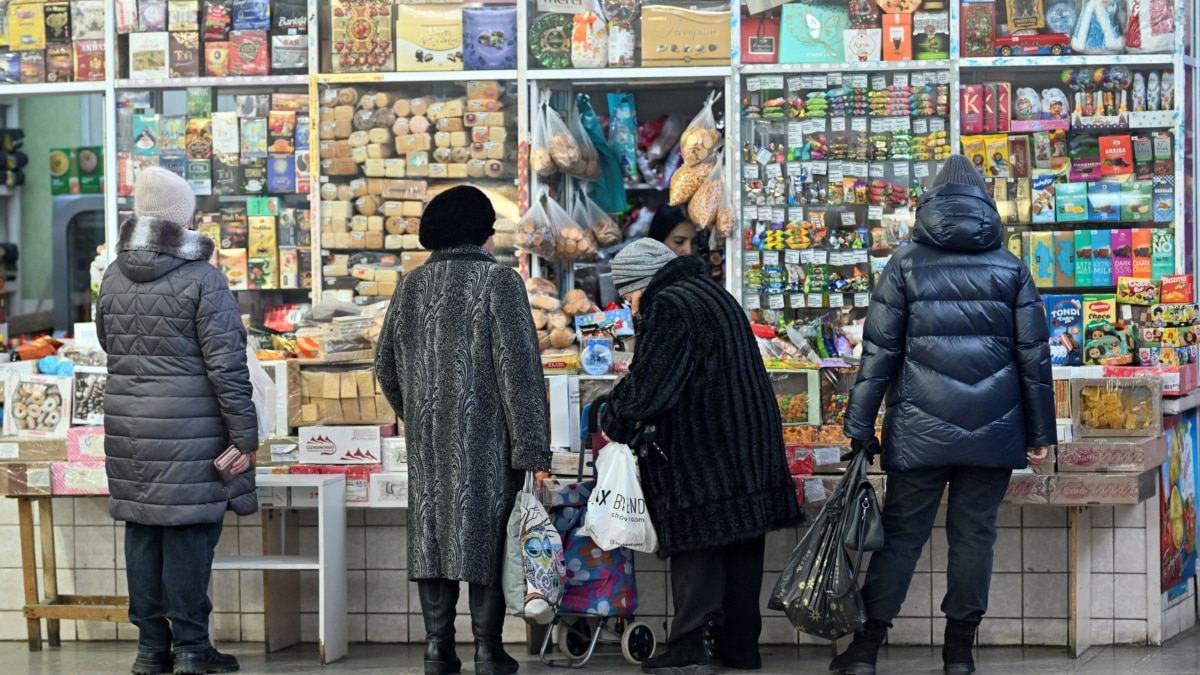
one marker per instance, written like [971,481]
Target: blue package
[1102,258]
[281,174]
[251,14]
[175,162]
[10,67]
[303,127]
[1064,318]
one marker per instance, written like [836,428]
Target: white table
[281,564]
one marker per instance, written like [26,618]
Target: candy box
[1104,201]
[1178,288]
[59,63]
[863,45]
[79,478]
[340,445]
[1105,343]
[1064,319]
[1116,407]
[1071,201]
[1162,253]
[1136,200]
[1163,199]
[37,406]
[1099,308]
[1028,488]
[33,67]
[1104,488]
[1102,258]
[429,37]
[1132,291]
[1083,258]
[281,174]
[1064,259]
[1106,455]
[26,27]
[360,35]
[1161,316]
[1178,379]
[149,56]
[667,32]
[971,115]
[85,444]
[185,54]
[931,36]
[1041,258]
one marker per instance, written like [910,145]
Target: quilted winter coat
[178,390]
[722,474]
[458,360]
[956,345]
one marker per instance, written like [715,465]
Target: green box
[64,171]
[91,169]
[1137,200]
[1071,202]
[263,206]
[199,102]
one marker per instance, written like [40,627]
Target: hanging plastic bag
[1097,30]
[616,512]
[539,155]
[534,571]
[622,133]
[726,221]
[1149,27]
[572,240]
[562,144]
[264,396]
[701,138]
[686,181]
[609,189]
[703,206]
[588,167]
[603,226]
[589,41]
[534,233]
[667,139]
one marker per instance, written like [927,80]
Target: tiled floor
[1181,655]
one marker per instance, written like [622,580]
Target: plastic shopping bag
[265,394]
[616,513]
[534,570]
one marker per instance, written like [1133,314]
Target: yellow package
[975,149]
[996,151]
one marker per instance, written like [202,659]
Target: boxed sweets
[1116,407]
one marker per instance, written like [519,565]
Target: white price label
[921,170]
[836,172]
[834,79]
[772,82]
[937,124]
[900,169]
[814,126]
[849,219]
[764,213]
[795,84]
[770,258]
[860,170]
[857,80]
[818,168]
[874,213]
[858,124]
[9,450]
[820,257]
[774,171]
[837,124]
[918,79]
[879,82]
[816,300]
[862,299]
[880,125]
[860,257]
[778,214]
[763,156]
[791,257]
[920,127]
[877,171]
[901,123]
[837,258]
[795,213]
[750,172]
[837,300]
[943,77]
[820,82]
[752,302]
[806,256]
[775,302]
[794,168]
[795,134]
[753,83]
[751,258]
[797,301]
[900,80]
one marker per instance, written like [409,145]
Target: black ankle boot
[860,657]
[690,654]
[201,663]
[438,601]
[956,650]
[487,623]
[147,663]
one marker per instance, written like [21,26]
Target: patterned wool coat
[458,360]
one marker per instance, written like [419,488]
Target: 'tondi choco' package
[1064,318]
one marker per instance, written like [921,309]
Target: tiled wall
[1030,590]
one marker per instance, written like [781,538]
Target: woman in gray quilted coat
[178,395]
[458,360]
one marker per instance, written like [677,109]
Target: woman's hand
[243,463]
[1037,455]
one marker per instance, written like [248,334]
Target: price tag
[774,171]
[877,171]
[837,124]
[878,82]
[764,213]
[797,301]
[860,169]
[796,213]
[820,257]
[772,82]
[943,77]
[778,214]
[862,299]
[795,134]
[879,125]
[770,258]
[836,172]
[752,302]
[900,80]
[937,124]
[751,259]
[921,170]
[837,300]
[900,169]
[858,124]
[856,80]
[791,257]
[753,83]
[874,213]
[806,256]
[816,300]
[834,79]
[794,84]
[849,219]
[820,82]
[920,127]
[818,168]
[9,450]
[775,302]
[918,79]
[901,123]
[837,258]
[860,257]
[750,172]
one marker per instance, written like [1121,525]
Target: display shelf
[217,82]
[1056,62]
[840,67]
[630,74]
[267,562]
[415,77]
[52,89]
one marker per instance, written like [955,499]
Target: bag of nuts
[686,180]
[703,206]
[701,138]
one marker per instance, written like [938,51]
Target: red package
[649,131]
[1178,289]
[89,60]
[248,53]
[800,460]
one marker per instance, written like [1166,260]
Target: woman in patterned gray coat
[458,360]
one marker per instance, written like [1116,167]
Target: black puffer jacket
[956,337]
[178,390]
[697,374]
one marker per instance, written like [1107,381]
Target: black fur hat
[460,216]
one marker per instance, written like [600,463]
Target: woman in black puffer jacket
[956,345]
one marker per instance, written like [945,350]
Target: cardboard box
[395,454]
[389,490]
[862,45]
[1136,201]
[1116,155]
[1108,455]
[569,464]
[1028,488]
[664,26]
[972,108]
[149,56]
[1104,201]
[85,444]
[278,451]
[1178,289]
[27,479]
[1064,318]
[897,37]
[1081,489]
[429,37]
[78,478]
[357,50]
[26,414]
[340,445]
[931,36]
[1140,405]
[1041,259]
[978,29]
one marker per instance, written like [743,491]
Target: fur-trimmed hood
[149,248]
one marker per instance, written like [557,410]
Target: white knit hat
[164,195]
[637,263]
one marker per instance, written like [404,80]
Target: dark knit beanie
[460,216]
[666,218]
[959,170]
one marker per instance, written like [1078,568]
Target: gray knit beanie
[637,263]
[959,170]
[164,195]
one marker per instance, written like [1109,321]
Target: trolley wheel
[638,643]
[573,639]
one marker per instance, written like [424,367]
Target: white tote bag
[265,395]
[616,512]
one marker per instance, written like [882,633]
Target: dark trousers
[168,569]
[723,583]
[909,509]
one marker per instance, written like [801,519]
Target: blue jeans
[168,569]
[909,509]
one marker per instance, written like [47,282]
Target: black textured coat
[956,345]
[458,360]
[722,475]
[178,391]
